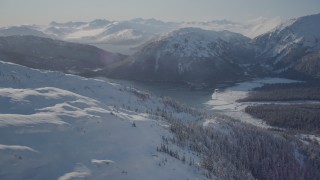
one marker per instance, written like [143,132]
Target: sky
[17,12]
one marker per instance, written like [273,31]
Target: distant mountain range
[126,36]
[58,126]
[192,55]
[49,54]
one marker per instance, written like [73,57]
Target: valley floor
[224,101]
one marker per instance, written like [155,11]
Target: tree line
[302,117]
[229,149]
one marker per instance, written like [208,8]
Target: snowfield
[56,126]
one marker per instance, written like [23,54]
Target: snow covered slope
[294,46]
[260,26]
[251,28]
[190,54]
[56,126]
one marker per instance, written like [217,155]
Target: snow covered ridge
[186,54]
[57,126]
[303,31]
[294,45]
[190,55]
[122,36]
[79,30]
[209,34]
[197,43]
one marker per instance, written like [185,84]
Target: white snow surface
[80,172]
[83,33]
[225,102]
[303,31]
[262,25]
[16,148]
[56,126]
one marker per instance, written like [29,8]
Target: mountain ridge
[46,53]
[292,46]
[198,55]
[188,54]
[104,33]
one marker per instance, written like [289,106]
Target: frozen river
[224,101]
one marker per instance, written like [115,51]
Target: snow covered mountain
[192,55]
[293,46]
[56,126]
[126,36]
[22,30]
[251,29]
[186,54]
[260,26]
[100,30]
[45,53]
[119,36]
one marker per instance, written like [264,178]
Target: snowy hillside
[303,31]
[56,126]
[261,26]
[22,30]
[292,45]
[192,55]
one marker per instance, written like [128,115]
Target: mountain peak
[189,54]
[99,23]
[192,34]
[301,31]
[294,45]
